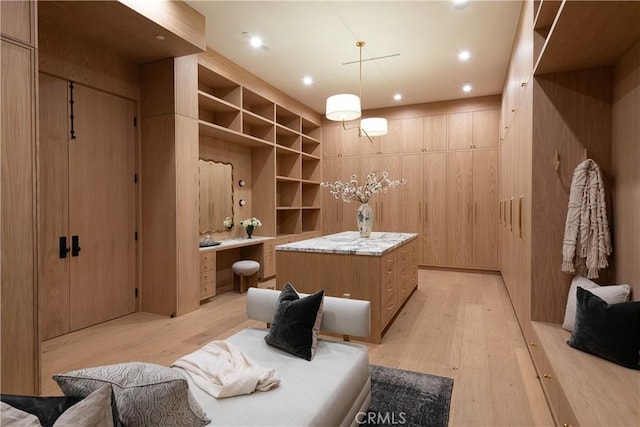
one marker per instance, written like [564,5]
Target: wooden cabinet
[424,205]
[19,355]
[460,131]
[438,200]
[269,259]
[207,275]
[472,208]
[385,280]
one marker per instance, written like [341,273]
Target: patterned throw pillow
[296,322]
[146,394]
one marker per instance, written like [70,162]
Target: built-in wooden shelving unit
[285,147]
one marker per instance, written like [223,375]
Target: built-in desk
[216,275]
[382,269]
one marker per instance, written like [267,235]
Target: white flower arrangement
[350,190]
[254,222]
[228,223]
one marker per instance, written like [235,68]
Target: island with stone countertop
[382,269]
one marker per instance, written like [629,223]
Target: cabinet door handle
[75,246]
[511,214]
[64,250]
[382,211]
[426,213]
[420,212]
[470,213]
[520,217]
[475,208]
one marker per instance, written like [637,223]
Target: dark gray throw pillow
[609,331]
[296,323]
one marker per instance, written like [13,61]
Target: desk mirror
[216,195]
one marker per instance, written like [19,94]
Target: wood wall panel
[434,209]
[564,107]
[18,300]
[485,208]
[129,27]
[460,208]
[72,58]
[625,169]
[187,212]
[53,281]
[158,240]
[239,157]
[16,18]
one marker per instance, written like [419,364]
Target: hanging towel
[222,370]
[587,242]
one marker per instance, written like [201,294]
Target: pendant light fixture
[346,107]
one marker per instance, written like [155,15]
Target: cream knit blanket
[223,370]
[587,242]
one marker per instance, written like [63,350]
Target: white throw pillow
[611,294]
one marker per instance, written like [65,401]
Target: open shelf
[218,86]
[613,28]
[288,194]
[287,138]
[310,195]
[311,146]
[288,165]
[287,119]
[258,105]
[310,219]
[288,221]
[311,168]
[311,130]
[225,134]
[257,126]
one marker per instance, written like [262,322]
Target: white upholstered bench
[329,390]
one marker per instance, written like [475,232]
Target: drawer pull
[533,344]
[547,376]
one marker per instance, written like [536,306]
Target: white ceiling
[315,37]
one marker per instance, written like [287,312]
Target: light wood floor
[458,325]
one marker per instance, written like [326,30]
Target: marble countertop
[236,243]
[350,242]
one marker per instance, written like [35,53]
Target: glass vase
[364,219]
[249,230]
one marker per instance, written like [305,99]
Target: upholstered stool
[245,275]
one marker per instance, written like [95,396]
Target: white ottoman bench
[245,275]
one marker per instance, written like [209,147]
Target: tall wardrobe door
[435,209]
[102,207]
[485,195]
[53,283]
[459,208]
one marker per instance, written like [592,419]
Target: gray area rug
[406,398]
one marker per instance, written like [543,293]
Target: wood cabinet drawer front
[207,277]
[389,293]
[207,261]
[207,290]
[558,402]
[388,310]
[389,263]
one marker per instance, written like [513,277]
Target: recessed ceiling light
[466,87]
[255,41]
[464,55]
[460,4]
[160,37]
[307,80]
[397,97]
